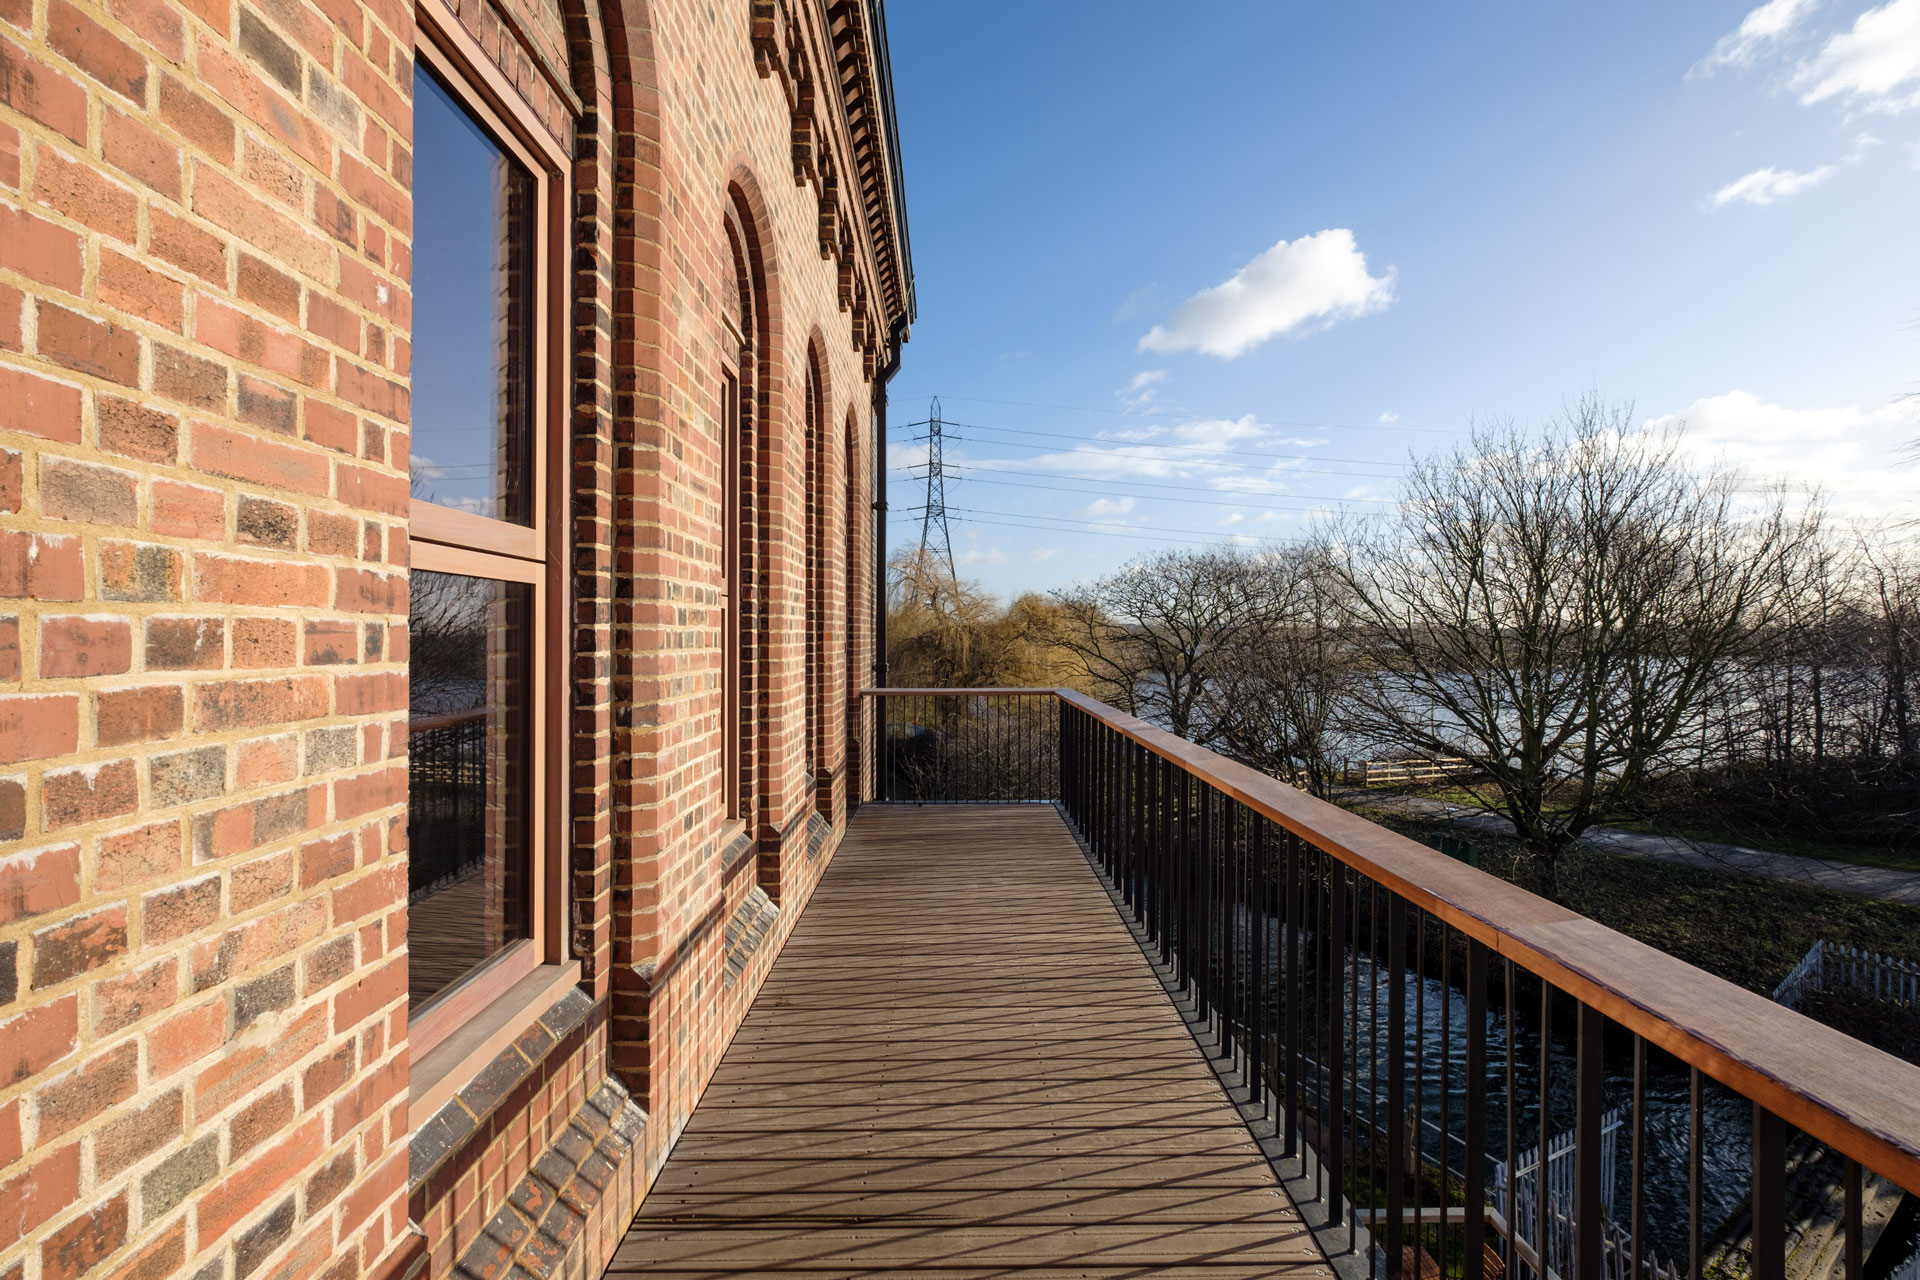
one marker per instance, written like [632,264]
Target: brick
[81,192]
[330,749]
[140,572]
[130,857]
[13,310]
[36,726]
[175,240]
[185,1039]
[241,704]
[13,808]
[361,1000]
[9,147]
[89,346]
[35,405]
[178,910]
[274,347]
[371,391]
[332,535]
[160,1260]
[370,694]
[40,93]
[155,21]
[268,761]
[74,644]
[243,455]
[188,511]
[186,776]
[252,1247]
[33,1041]
[64,951]
[132,430]
[32,1196]
[223,579]
[38,881]
[89,494]
[266,523]
[188,378]
[265,642]
[269,52]
[147,714]
[255,999]
[358,591]
[367,490]
[368,792]
[120,1002]
[139,152]
[77,1097]
[179,1176]
[255,883]
[10,663]
[324,859]
[12,481]
[185,644]
[268,288]
[97,51]
[133,286]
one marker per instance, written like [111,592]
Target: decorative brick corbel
[765,30]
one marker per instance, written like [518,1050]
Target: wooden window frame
[454,1036]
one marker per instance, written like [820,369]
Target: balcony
[1081,998]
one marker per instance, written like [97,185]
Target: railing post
[1397,1083]
[1769,1195]
[1476,1111]
[1588,1105]
[1333,1148]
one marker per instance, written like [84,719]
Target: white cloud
[1140,392]
[1039,554]
[1389,416]
[1293,288]
[977,556]
[1107,507]
[1875,63]
[1231,518]
[1759,31]
[1764,186]
[1847,450]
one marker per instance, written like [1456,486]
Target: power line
[1238,495]
[1113,449]
[933,519]
[1190,416]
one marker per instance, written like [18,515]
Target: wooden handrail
[1854,1098]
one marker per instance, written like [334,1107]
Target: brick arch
[817,488]
[853,543]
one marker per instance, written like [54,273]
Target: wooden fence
[1829,966]
[1368,773]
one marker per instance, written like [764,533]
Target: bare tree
[1282,686]
[1154,635]
[1553,609]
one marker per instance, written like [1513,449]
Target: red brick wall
[204,231]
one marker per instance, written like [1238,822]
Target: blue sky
[1228,264]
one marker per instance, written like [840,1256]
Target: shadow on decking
[962,1065]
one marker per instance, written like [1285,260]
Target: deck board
[961,1066]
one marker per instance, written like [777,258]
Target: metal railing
[1409,1024]
[446,798]
[939,747]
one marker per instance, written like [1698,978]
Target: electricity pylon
[934,537]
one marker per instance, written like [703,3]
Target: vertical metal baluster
[1322,1017]
[1855,1235]
[1446,1076]
[1337,1041]
[1474,1234]
[1291,989]
[1373,1045]
[1636,1209]
[1513,1151]
[1696,1144]
[1263,983]
[1541,1240]
[1396,1083]
[1589,1102]
[1416,1113]
[1769,1195]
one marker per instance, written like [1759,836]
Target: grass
[1746,929]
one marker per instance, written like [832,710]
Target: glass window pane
[472,313]
[468,747]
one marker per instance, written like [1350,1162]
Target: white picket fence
[1829,966]
[1516,1210]
[1367,773]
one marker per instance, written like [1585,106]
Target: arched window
[853,543]
[743,650]
[815,605]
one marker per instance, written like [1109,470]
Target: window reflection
[468,777]
[472,313]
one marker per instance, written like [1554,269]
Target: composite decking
[962,1066]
